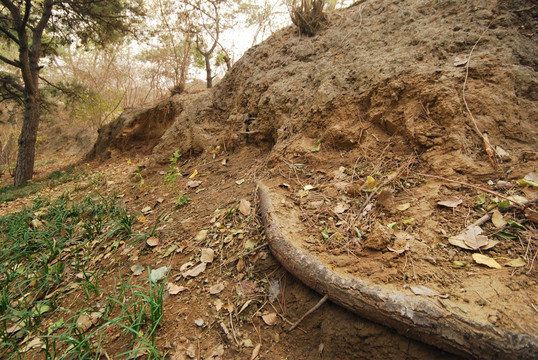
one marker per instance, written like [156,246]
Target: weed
[170,177]
[138,177]
[181,201]
[36,245]
[10,193]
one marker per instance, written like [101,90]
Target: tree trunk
[27,140]
[209,77]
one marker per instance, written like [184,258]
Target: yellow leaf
[193,174]
[403,207]
[486,260]
[497,219]
[519,262]
[270,319]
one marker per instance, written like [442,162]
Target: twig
[484,138]
[323,299]
[486,217]
[247,253]
[525,9]
[520,205]
[532,262]
[284,318]
[233,330]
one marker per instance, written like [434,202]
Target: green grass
[10,193]
[37,246]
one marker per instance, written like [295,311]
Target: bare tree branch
[10,35]
[10,62]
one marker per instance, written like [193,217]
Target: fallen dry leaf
[146,210]
[217,352]
[186,266]
[248,343]
[473,239]
[460,60]
[256,352]
[403,207]
[202,235]
[215,289]
[470,239]
[208,255]
[489,149]
[193,183]
[158,274]
[450,203]
[341,208]
[218,304]
[35,342]
[84,322]
[174,289]
[195,271]
[399,251]
[519,262]
[270,319]
[191,351]
[244,207]
[152,241]
[35,223]
[486,260]
[497,219]
[240,265]
[137,269]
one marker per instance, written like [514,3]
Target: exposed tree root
[413,316]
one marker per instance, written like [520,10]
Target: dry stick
[323,299]
[484,138]
[247,253]
[233,330]
[284,318]
[486,217]
[474,187]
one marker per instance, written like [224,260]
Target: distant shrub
[308,15]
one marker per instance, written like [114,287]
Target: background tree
[171,46]
[207,20]
[36,28]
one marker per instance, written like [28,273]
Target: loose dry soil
[347,129]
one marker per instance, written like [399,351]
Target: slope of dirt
[348,125]
[385,69]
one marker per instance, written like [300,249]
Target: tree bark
[29,55]
[27,140]
[208,70]
[412,316]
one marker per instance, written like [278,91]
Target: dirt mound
[385,69]
[139,130]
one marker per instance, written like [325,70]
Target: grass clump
[10,192]
[41,247]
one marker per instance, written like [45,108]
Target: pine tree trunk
[27,140]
